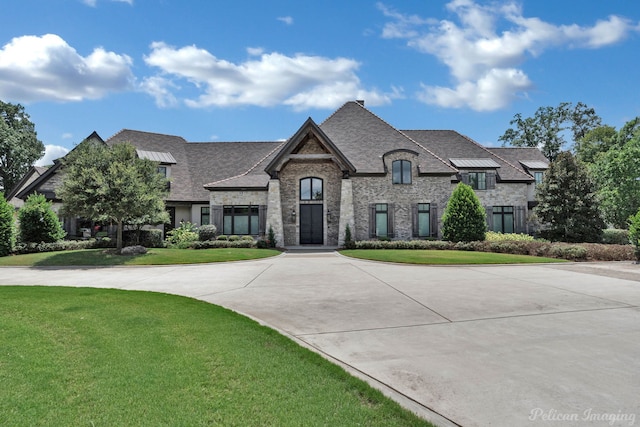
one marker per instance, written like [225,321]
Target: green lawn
[101,257]
[96,357]
[410,256]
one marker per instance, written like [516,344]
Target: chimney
[360,101]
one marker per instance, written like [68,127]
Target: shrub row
[63,245]
[573,252]
[209,244]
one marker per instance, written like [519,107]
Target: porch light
[293,215]
[328,215]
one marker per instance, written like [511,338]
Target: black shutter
[262,220]
[216,218]
[491,180]
[520,216]
[489,212]
[414,221]
[390,220]
[372,220]
[433,219]
[464,177]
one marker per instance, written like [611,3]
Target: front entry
[311,229]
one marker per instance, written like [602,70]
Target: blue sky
[255,70]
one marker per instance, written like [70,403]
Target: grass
[443,257]
[102,357]
[101,257]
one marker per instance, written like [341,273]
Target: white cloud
[160,88]
[269,79]
[286,19]
[483,59]
[36,68]
[51,153]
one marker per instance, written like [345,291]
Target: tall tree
[617,175]
[464,218]
[567,202]
[111,184]
[19,145]
[547,128]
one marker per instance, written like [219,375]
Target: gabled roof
[365,138]
[307,130]
[36,185]
[32,174]
[453,145]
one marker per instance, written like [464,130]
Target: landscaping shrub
[570,252]
[207,232]
[348,239]
[151,238]
[234,238]
[634,233]
[403,244]
[183,236]
[7,227]
[615,236]
[464,218]
[38,222]
[271,238]
[248,238]
[210,244]
[493,236]
[222,237]
[62,245]
[262,244]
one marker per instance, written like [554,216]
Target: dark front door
[311,225]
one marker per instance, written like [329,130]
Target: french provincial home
[353,169]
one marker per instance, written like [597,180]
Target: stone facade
[367,190]
[290,177]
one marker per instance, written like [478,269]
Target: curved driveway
[471,345]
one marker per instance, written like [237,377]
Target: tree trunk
[119,238]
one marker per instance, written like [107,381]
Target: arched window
[311,189]
[401,171]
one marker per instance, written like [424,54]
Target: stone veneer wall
[504,195]
[252,197]
[290,177]
[380,189]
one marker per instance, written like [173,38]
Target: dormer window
[401,172]
[162,170]
[478,180]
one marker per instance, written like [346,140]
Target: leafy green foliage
[616,174]
[464,217]
[19,145]
[182,237]
[634,233]
[271,238]
[547,127]
[615,236]
[38,221]
[7,227]
[111,184]
[493,236]
[567,202]
[348,239]
[207,232]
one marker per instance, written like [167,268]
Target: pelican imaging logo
[587,416]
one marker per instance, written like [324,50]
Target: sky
[256,70]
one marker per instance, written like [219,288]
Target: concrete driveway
[472,345]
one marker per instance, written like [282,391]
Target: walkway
[472,345]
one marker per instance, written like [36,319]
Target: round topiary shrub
[464,218]
[207,232]
[38,222]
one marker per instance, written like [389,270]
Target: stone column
[274,211]
[346,211]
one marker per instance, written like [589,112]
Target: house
[352,169]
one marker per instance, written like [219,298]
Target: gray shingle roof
[364,138]
[451,144]
[517,155]
[198,163]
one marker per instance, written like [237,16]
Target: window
[382,220]
[205,216]
[503,219]
[162,170]
[424,220]
[311,189]
[240,220]
[401,171]
[478,180]
[539,176]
